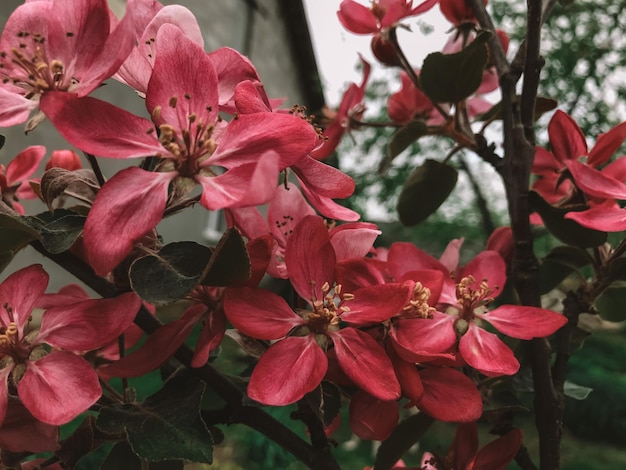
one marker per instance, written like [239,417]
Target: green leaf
[617,270]
[450,78]
[611,304]
[558,264]
[425,190]
[169,275]
[566,230]
[59,229]
[575,391]
[16,234]
[403,437]
[400,140]
[230,262]
[166,426]
[325,401]
[122,457]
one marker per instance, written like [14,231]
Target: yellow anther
[325,287]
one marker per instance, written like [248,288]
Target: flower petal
[450,395]
[259,313]
[25,164]
[424,336]
[287,371]
[525,322]
[373,304]
[566,139]
[486,353]
[128,206]
[371,418]
[357,18]
[48,382]
[364,361]
[21,291]
[115,133]
[90,324]
[310,258]
[594,182]
[605,219]
[499,453]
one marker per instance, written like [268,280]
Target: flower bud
[384,51]
[67,159]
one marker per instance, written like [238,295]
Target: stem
[251,416]
[96,168]
[481,202]
[406,65]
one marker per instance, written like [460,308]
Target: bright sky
[336,49]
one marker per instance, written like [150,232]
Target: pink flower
[339,122]
[411,103]
[383,14]
[44,380]
[458,12]
[14,179]
[67,46]
[296,362]
[194,146]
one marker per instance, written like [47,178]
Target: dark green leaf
[166,426]
[169,275]
[450,78]
[79,443]
[617,270]
[121,457]
[2,140]
[15,235]
[59,229]
[611,304]
[325,401]
[230,262]
[566,230]
[425,190]
[558,264]
[403,437]
[400,140]
[56,181]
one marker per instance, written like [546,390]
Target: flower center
[10,342]
[28,67]
[418,305]
[190,142]
[327,311]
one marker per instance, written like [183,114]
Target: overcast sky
[336,49]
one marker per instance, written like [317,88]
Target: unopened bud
[67,159]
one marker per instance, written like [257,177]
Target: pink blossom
[383,14]
[57,45]
[194,146]
[14,178]
[43,379]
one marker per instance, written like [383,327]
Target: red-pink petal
[323,179]
[327,207]
[606,145]
[366,363]
[115,133]
[24,164]
[287,371]
[404,257]
[595,183]
[249,184]
[524,322]
[259,313]
[182,70]
[357,18]
[605,219]
[21,432]
[371,418]
[4,389]
[450,256]
[499,453]
[465,445]
[486,266]
[128,206]
[89,324]
[48,383]
[449,395]
[373,304]
[158,348]
[353,240]
[21,292]
[424,336]
[310,258]
[566,138]
[486,353]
